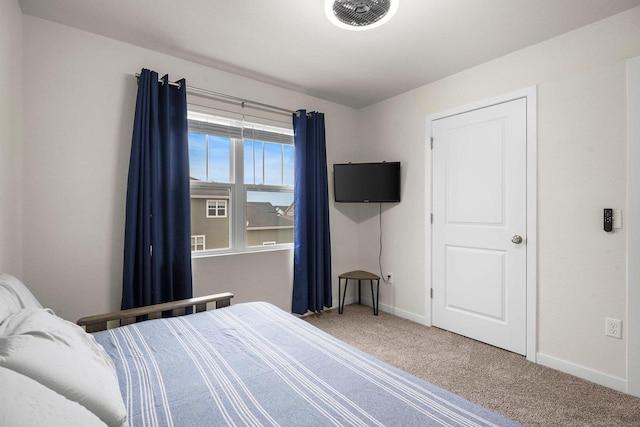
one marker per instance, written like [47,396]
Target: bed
[243,364]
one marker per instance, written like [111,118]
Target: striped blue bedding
[255,365]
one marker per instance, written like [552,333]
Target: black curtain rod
[243,102]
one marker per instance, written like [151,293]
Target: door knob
[516,239]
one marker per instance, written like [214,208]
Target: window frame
[236,205]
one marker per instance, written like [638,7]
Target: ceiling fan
[360,14]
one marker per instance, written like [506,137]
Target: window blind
[241,132]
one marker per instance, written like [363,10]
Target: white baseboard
[597,377]
[347,301]
[402,313]
[395,311]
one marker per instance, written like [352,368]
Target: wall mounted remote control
[608,220]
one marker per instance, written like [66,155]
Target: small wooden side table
[358,275]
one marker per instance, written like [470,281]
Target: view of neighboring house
[266,224]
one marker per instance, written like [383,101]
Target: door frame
[633,229]
[530,95]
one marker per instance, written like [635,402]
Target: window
[241,184]
[216,208]
[197,243]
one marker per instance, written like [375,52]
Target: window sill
[213,253]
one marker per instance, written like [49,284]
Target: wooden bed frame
[115,319]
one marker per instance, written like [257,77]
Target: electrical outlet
[389,277]
[613,327]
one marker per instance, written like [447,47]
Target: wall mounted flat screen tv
[366,182]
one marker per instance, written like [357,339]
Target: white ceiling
[290,43]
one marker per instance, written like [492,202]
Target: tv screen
[366,182]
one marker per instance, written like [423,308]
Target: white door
[479,224]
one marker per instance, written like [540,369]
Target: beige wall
[82,93]
[580,79]
[10,138]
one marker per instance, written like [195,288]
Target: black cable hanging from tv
[384,278]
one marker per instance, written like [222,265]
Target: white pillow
[9,303]
[12,290]
[63,357]
[25,402]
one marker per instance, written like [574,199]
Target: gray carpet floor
[497,379]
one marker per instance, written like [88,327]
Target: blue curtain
[312,243]
[157,247]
